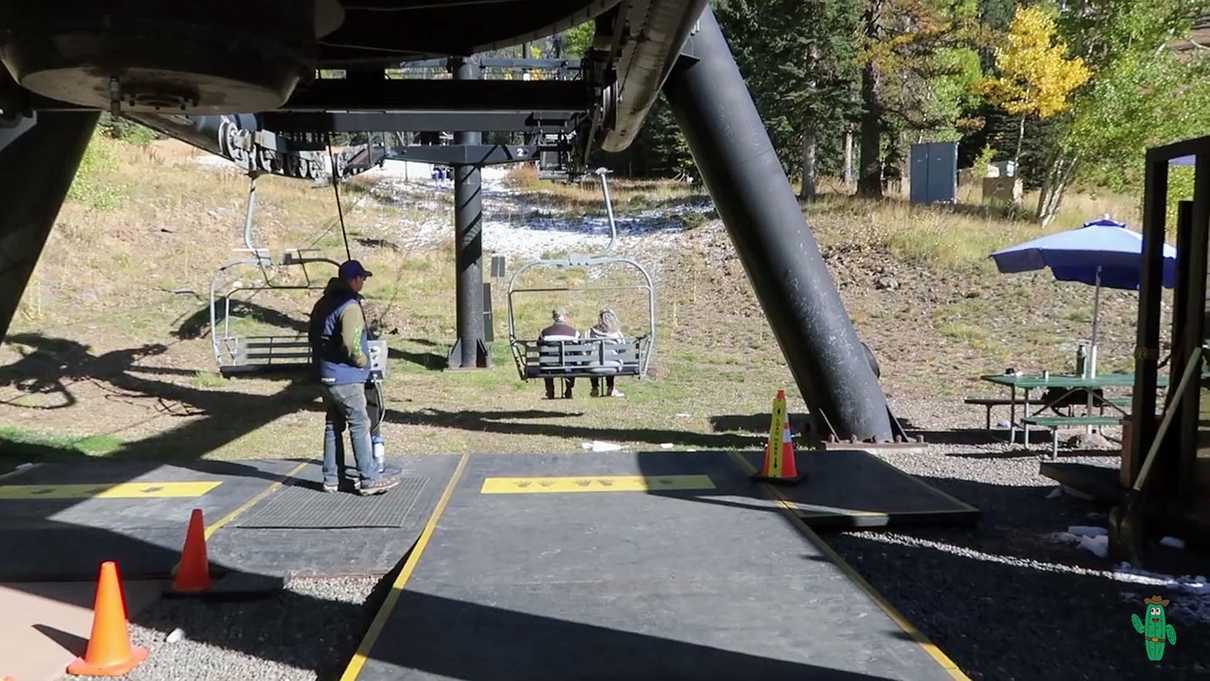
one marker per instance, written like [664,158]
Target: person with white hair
[608,327]
[560,330]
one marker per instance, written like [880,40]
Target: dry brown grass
[111,333]
[584,195]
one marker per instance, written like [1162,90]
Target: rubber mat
[846,489]
[606,582]
[304,507]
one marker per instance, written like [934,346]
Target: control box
[378,359]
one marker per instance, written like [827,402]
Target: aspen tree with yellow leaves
[1036,76]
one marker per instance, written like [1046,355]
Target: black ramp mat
[853,488]
[713,582]
[339,551]
[305,507]
[67,532]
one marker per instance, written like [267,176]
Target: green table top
[1033,381]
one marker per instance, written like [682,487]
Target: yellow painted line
[388,605]
[596,483]
[787,509]
[109,490]
[225,520]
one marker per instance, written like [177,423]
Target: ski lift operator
[342,360]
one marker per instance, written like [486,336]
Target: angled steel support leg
[740,168]
[38,159]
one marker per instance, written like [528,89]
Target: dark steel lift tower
[750,189]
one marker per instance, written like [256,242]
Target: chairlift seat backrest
[582,357]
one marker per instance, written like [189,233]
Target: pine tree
[919,65]
[799,60]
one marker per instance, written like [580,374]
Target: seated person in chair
[560,330]
[609,328]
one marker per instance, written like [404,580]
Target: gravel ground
[308,631]
[1008,601]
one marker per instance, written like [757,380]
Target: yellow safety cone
[780,464]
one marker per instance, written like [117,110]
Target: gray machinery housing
[268,81]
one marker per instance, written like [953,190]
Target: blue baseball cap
[351,269]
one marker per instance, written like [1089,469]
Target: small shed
[934,172]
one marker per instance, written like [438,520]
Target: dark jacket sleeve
[352,327]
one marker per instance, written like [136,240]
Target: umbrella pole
[1096,317]
[1092,350]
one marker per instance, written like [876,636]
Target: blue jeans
[347,407]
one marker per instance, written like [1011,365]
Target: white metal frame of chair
[225,345]
[646,343]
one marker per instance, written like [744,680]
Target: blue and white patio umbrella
[1102,253]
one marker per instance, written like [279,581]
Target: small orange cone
[780,464]
[193,572]
[109,651]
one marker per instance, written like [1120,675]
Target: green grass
[972,335]
[208,379]
[20,442]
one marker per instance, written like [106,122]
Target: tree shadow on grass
[432,361]
[197,324]
[55,365]
[756,423]
[503,422]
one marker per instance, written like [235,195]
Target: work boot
[595,392]
[388,480]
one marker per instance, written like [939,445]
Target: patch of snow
[598,446]
[1086,538]
[1173,542]
[1189,596]
[513,226]
[1098,546]
[1062,538]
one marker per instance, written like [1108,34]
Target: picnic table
[1066,385]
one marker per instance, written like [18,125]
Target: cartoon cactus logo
[1154,627]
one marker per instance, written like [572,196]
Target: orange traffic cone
[193,572]
[780,464]
[109,651]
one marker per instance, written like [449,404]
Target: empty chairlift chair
[236,354]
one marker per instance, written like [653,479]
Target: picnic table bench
[1058,387]
[988,402]
[1056,423]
